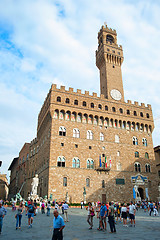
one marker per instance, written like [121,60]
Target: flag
[106,161]
[100,163]
[134,193]
[110,164]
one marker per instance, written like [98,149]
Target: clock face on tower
[115,94]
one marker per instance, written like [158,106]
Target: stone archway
[141,192]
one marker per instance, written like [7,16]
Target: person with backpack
[31,209]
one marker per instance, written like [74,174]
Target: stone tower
[109,58]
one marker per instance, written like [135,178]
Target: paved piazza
[77,228]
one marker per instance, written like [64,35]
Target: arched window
[58,99]
[103,184]
[144,142]
[109,38]
[76,133]
[92,105]
[137,154]
[61,114]
[106,108]
[146,155]
[65,181]
[147,167]
[92,164]
[76,163]
[56,113]
[61,161]
[135,113]
[75,102]
[116,139]
[99,106]
[101,137]
[79,117]
[147,115]
[88,163]
[87,182]
[89,134]
[137,167]
[141,114]
[113,109]
[121,110]
[67,100]
[68,116]
[118,153]
[135,140]
[128,112]
[62,131]
[84,104]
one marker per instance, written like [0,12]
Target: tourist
[56,206]
[124,214]
[65,207]
[43,208]
[111,219]
[62,207]
[3,212]
[132,212]
[90,214]
[58,225]
[103,215]
[31,209]
[19,215]
[26,207]
[98,215]
[119,211]
[81,204]
[48,208]
[150,208]
[35,207]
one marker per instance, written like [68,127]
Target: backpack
[31,208]
[43,206]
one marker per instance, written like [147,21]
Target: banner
[106,161]
[146,189]
[100,163]
[134,193]
[110,163]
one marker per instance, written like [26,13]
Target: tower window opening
[135,113]
[110,38]
[113,109]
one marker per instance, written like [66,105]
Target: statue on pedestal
[34,185]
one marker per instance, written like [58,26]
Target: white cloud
[48,43]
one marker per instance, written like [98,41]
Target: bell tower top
[109,58]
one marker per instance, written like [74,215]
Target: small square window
[90,147]
[76,145]
[62,144]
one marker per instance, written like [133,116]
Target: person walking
[65,207]
[124,214]
[58,225]
[31,209]
[111,218]
[103,214]
[132,212]
[43,208]
[151,208]
[26,207]
[90,214]
[19,215]
[3,212]
[48,208]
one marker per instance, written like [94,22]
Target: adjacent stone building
[3,186]
[95,148]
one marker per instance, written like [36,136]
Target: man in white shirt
[132,211]
[65,207]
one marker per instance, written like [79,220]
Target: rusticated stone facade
[95,144]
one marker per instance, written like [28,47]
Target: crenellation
[136,103]
[102,96]
[79,91]
[62,88]
[87,93]
[54,86]
[70,90]
[143,105]
[94,94]
[129,101]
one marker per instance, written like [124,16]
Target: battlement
[62,89]
[34,141]
[108,30]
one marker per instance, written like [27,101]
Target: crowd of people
[110,212]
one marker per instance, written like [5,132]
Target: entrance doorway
[104,198]
[140,190]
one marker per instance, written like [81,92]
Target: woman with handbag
[90,214]
[18,216]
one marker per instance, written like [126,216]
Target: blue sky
[46,41]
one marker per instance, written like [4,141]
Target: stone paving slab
[147,228]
